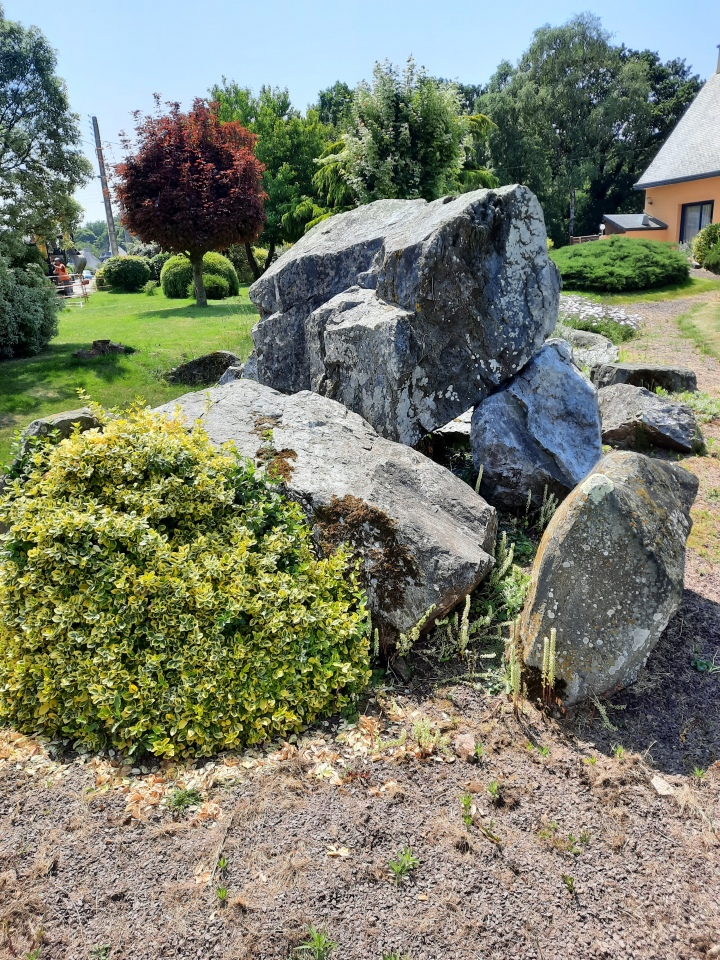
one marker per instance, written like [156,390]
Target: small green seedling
[222,894]
[222,864]
[495,792]
[699,773]
[705,666]
[318,945]
[569,883]
[467,809]
[619,752]
[402,863]
[100,953]
[584,837]
[590,761]
[181,799]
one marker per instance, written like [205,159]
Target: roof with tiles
[692,151]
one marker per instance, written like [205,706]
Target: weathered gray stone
[632,416]
[62,423]
[648,375]
[609,573]
[424,536]
[236,372]
[409,312]
[590,350]
[203,371]
[541,429]
[457,428]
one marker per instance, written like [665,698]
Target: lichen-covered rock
[203,371]
[409,312]
[590,350]
[62,424]
[647,375]
[633,417]
[541,429]
[424,537]
[236,372]
[609,573]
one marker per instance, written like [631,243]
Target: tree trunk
[251,260]
[270,255]
[196,259]
[572,212]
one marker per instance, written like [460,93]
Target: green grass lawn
[163,332]
[691,288]
[702,324]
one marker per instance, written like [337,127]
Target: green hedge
[157,263]
[157,595]
[29,306]
[620,263]
[176,275]
[126,273]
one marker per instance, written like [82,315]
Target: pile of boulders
[405,318]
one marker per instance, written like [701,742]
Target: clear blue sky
[114,55]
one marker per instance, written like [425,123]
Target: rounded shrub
[29,307]
[157,263]
[216,288]
[126,273]
[712,259]
[176,275]
[704,241]
[100,281]
[158,595]
[620,263]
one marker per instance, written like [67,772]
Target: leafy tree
[572,101]
[192,185]
[334,105]
[41,162]
[408,138]
[287,146]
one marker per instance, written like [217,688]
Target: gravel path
[586,838]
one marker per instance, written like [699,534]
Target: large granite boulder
[204,370]
[541,429]
[647,375]
[409,312]
[425,538]
[590,350]
[633,417]
[609,573]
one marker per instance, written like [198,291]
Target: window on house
[695,216]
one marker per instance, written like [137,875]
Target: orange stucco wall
[666,204]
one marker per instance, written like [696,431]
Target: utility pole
[112,236]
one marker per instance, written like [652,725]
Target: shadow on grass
[25,383]
[218,311]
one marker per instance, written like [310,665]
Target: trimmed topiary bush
[176,275]
[620,263]
[157,263]
[100,279]
[29,307]
[216,288]
[126,273]
[158,595]
[704,241]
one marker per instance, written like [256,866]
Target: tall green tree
[334,105]
[573,101]
[288,144]
[41,162]
[408,137]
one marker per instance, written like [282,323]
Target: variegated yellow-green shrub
[157,595]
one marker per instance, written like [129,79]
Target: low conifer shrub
[160,596]
[620,263]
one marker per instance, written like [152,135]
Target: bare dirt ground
[591,837]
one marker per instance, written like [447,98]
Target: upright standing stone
[609,573]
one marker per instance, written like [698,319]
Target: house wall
[666,204]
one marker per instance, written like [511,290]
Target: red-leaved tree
[191,184]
